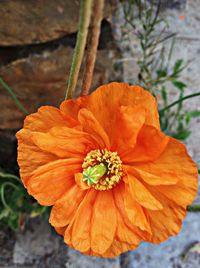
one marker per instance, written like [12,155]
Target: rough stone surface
[185,21]
[40,246]
[21,20]
[181,251]
[41,79]
[77,260]
[34,243]
[170,253]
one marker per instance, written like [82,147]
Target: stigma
[102,169]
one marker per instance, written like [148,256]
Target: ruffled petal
[81,229]
[45,118]
[64,142]
[118,248]
[151,178]
[103,222]
[49,182]
[142,195]
[121,95]
[165,223]
[119,197]
[135,212]
[30,157]
[65,208]
[175,163]
[130,120]
[80,183]
[70,109]
[151,142]
[92,126]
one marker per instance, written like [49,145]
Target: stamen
[102,169]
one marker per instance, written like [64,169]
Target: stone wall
[37,39]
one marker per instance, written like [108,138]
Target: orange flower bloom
[112,177]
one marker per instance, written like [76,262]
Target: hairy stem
[84,21]
[92,45]
[13,96]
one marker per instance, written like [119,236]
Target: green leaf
[164,94]
[178,84]
[177,66]
[191,114]
[182,135]
[161,73]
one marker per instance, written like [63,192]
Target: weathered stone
[171,4]
[41,79]
[34,243]
[7,240]
[8,152]
[27,22]
[77,260]
[168,253]
[40,246]
[190,258]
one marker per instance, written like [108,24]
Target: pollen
[102,169]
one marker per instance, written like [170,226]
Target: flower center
[102,169]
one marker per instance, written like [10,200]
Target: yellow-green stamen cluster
[102,169]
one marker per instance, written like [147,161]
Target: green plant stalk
[93,40]
[14,97]
[10,176]
[178,101]
[3,193]
[194,208]
[84,21]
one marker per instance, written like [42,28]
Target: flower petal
[118,248]
[121,95]
[130,120]
[93,127]
[174,162]
[70,109]
[120,193]
[80,183]
[65,208]
[135,212]
[165,223]
[49,182]
[151,178]
[141,194]
[45,118]
[151,142]
[124,234]
[30,157]
[64,142]
[80,237]
[103,222]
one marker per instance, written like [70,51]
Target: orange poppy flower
[112,177]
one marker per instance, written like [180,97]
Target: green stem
[14,97]
[84,21]
[2,192]
[178,101]
[93,40]
[194,208]
[9,176]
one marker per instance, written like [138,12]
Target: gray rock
[77,260]
[169,253]
[35,243]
